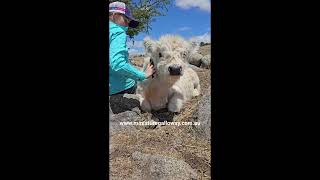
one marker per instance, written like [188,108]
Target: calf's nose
[175,69]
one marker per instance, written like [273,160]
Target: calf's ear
[149,45]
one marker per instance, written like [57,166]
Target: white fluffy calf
[174,82]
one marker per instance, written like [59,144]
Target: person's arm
[118,62]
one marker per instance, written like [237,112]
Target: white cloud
[136,48]
[187,4]
[137,44]
[184,29]
[206,38]
[134,51]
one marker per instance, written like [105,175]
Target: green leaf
[145,11]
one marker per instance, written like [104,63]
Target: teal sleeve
[119,58]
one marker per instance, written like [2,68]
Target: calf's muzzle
[175,69]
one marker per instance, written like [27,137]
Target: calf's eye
[160,55]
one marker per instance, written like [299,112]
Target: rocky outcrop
[161,167]
[123,108]
[203,115]
[195,59]
[206,61]
[116,121]
[198,60]
[123,102]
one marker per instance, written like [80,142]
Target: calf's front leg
[144,104]
[176,101]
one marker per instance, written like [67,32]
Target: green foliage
[145,11]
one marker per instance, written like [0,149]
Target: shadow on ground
[163,115]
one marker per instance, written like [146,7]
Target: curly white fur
[165,90]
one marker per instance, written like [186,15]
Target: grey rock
[161,167]
[195,59]
[123,102]
[203,115]
[124,108]
[206,61]
[116,122]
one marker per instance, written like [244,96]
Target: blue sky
[187,18]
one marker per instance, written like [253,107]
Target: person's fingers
[150,70]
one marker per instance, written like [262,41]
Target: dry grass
[173,141]
[137,61]
[204,50]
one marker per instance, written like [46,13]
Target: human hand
[149,70]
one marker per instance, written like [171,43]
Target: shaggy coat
[174,82]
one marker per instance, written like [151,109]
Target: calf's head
[169,61]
